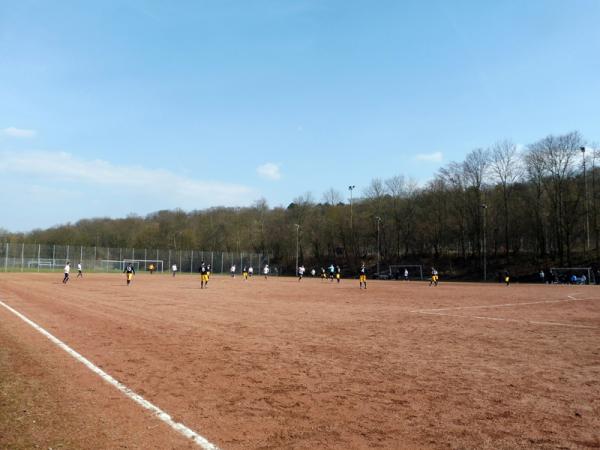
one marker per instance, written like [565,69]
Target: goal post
[572,275]
[144,264]
[414,271]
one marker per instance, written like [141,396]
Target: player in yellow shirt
[203,276]
[362,276]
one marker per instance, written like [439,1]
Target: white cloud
[19,132]
[269,171]
[158,184]
[430,157]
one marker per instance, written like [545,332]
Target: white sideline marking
[159,413]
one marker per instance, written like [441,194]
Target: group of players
[333,272]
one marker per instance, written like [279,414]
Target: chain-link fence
[44,258]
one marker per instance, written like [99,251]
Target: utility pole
[351,188]
[587,211]
[378,246]
[297,245]
[484,246]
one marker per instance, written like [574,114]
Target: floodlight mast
[378,246]
[351,188]
[585,194]
[297,245]
[484,246]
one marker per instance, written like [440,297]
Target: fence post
[53,256]
[169,259]
[192,261]
[6,257]
[211,260]
[107,258]
[222,257]
[67,252]
[39,249]
[22,255]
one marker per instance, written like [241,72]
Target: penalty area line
[504,319]
[159,413]
[503,305]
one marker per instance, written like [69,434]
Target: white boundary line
[503,305]
[159,413]
[502,319]
[438,312]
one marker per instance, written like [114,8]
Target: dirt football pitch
[282,364]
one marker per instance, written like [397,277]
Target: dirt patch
[282,364]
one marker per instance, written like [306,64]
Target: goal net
[572,275]
[139,265]
[398,271]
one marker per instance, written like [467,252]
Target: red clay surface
[279,364]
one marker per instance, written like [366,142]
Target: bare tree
[507,168]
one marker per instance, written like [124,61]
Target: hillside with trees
[525,208]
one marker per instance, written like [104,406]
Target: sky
[127,107]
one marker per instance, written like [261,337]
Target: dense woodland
[536,207]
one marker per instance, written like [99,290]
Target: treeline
[520,206]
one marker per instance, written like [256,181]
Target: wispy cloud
[19,132]
[181,190]
[430,157]
[269,171]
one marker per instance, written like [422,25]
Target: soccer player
[129,273]
[434,277]
[208,270]
[362,276]
[323,274]
[313,272]
[507,277]
[405,274]
[67,270]
[250,271]
[301,271]
[174,269]
[266,271]
[203,275]
[151,268]
[79,271]
[338,274]
[245,273]
[232,271]
[331,272]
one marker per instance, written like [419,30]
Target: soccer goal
[415,271]
[144,264]
[572,275]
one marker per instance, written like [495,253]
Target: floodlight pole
[484,246]
[351,188]
[585,195]
[297,245]
[378,246]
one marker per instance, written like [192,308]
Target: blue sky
[117,107]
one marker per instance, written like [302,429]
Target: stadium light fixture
[585,201]
[297,245]
[378,246]
[484,246]
[351,188]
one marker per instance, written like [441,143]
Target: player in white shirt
[174,269]
[250,271]
[79,271]
[67,270]
[232,271]
[301,271]
[266,271]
